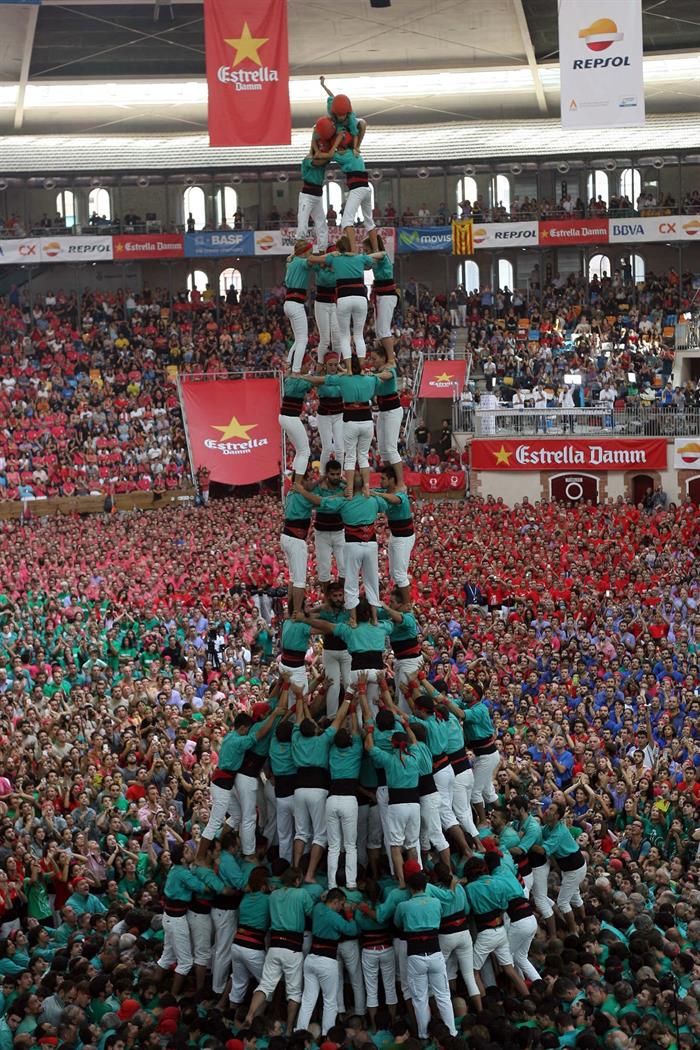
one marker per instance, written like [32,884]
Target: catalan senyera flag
[247,58]
[233,428]
[462,237]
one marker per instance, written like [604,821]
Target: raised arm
[322,626]
[326,89]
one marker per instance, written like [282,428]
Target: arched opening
[100,203]
[466,191]
[333,198]
[598,185]
[225,205]
[633,268]
[573,488]
[505,274]
[500,192]
[65,207]
[468,275]
[630,185]
[598,266]
[693,490]
[230,278]
[195,205]
[197,280]
[640,484]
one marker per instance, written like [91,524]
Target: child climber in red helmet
[340,112]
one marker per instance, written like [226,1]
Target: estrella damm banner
[462,237]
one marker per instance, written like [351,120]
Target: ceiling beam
[33,15]
[530,55]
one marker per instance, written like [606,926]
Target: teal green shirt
[297,507]
[400,512]
[254,911]
[344,762]
[356,389]
[295,388]
[331,925]
[437,733]
[408,628]
[182,884]
[325,278]
[395,896]
[347,161]
[313,173]
[281,761]
[532,833]
[312,750]
[383,269]
[386,387]
[360,510]
[452,901]
[296,637]
[486,894]
[420,912]
[365,638]
[477,722]
[558,841]
[230,871]
[289,907]
[297,273]
[401,769]
[233,748]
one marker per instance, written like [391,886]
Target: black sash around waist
[406,648]
[287,939]
[571,861]
[375,939]
[386,286]
[252,764]
[388,402]
[439,762]
[357,412]
[371,660]
[291,406]
[328,521]
[426,784]
[227,901]
[330,406]
[519,908]
[523,865]
[312,777]
[293,657]
[356,179]
[424,943]
[311,188]
[538,858]
[485,745]
[489,920]
[454,923]
[174,907]
[346,286]
[325,294]
[401,526]
[200,905]
[249,937]
[361,533]
[295,295]
[324,946]
[285,784]
[459,761]
[298,528]
[223,778]
[343,786]
[400,796]
[333,644]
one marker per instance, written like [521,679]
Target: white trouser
[330,431]
[279,963]
[569,891]
[388,430]
[359,199]
[403,824]
[540,886]
[352,310]
[492,941]
[310,206]
[462,311]
[361,557]
[285,826]
[484,767]
[445,782]
[520,936]
[246,966]
[369,831]
[341,828]
[177,944]
[296,315]
[329,545]
[267,810]
[201,930]
[247,790]
[374,962]
[296,434]
[357,438]
[527,881]
[349,962]
[462,802]
[320,975]
[224,921]
[431,833]
[426,975]
[400,548]
[328,332]
[384,306]
[403,669]
[336,664]
[296,552]
[458,950]
[371,676]
[220,806]
[310,815]
[297,675]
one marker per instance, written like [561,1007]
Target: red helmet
[345,139]
[341,106]
[325,129]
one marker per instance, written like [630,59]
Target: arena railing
[633,421]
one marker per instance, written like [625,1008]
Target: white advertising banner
[281,242]
[658,228]
[686,453]
[600,59]
[75,249]
[505,234]
[24,251]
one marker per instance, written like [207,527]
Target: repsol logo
[601,63]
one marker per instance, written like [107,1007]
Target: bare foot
[365,491]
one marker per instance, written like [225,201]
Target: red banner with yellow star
[442,378]
[247,56]
[233,428]
[597,454]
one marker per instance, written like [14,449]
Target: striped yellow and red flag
[462,239]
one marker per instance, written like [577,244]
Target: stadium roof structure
[666,139]
[111,68]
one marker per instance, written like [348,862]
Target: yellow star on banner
[502,457]
[247,46]
[444,378]
[234,429]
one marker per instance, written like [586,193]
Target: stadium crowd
[131,645]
